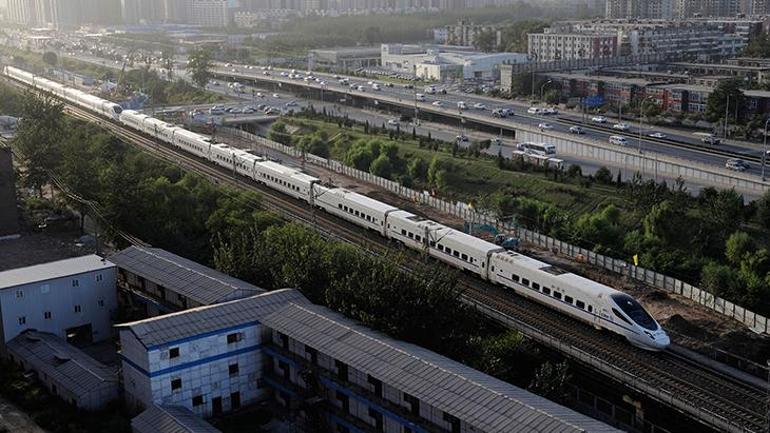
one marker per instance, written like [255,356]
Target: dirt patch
[36,248]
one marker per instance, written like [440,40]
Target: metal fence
[756,322]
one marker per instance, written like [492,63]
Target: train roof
[465,239]
[562,275]
[363,200]
[417,220]
[288,171]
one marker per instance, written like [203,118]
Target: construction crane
[121,78]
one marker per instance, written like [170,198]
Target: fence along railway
[702,394]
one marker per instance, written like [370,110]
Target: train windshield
[117,109]
[636,312]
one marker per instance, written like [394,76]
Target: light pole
[543,87]
[764,150]
[641,116]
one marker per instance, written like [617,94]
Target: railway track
[708,396]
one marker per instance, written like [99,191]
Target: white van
[461,105]
[619,140]
[419,97]
[534,110]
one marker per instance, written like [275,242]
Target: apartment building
[553,46]
[152,281]
[63,14]
[206,359]
[73,299]
[211,13]
[676,9]
[343,377]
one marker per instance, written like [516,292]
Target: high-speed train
[588,301]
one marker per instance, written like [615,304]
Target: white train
[588,301]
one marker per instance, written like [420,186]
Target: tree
[417,168]
[667,224]
[759,46]
[50,58]
[279,133]
[763,210]
[603,175]
[716,107]
[550,380]
[200,66]
[38,137]
[738,246]
[373,35]
[381,167]
[486,40]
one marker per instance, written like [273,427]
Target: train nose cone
[662,340]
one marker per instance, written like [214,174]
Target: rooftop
[606,78]
[164,330]
[487,404]
[65,363]
[53,270]
[170,419]
[193,280]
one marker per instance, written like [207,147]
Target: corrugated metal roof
[196,321]
[170,419]
[488,404]
[193,280]
[52,270]
[73,369]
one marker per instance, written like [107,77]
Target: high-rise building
[136,11]
[678,9]
[63,14]
[655,9]
[759,7]
[212,13]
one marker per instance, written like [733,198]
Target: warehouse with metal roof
[378,379]
[170,419]
[156,282]
[65,370]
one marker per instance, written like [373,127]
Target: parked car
[618,140]
[711,139]
[658,135]
[393,122]
[276,96]
[479,106]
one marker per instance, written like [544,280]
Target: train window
[515,278]
[432,244]
[340,206]
[357,213]
[546,290]
[493,268]
[418,238]
[557,295]
[620,316]
[440,247]
[464,257]
[568,299]
[581,305]
[403,232]
[456,253]
[411,235]
[535,286]
[590,309]
[525,282]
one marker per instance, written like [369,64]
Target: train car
[286,180]
[246,163]
[133,119]
[353,207]
[159,129]
[197,144]
[578,297]
[412,230]
[20,75]
[462,250]
[223,155]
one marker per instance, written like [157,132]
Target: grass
[482,175]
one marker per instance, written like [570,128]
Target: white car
[621,126]
[479,106]
[276,96]
[576,130]
[291,104]
[545,126]
[462,139]
[437,104]
[658,135]
[599,119]
[259,95]
[393,122]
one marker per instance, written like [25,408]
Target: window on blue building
[342,370]
[376,385]
[414,404]
[232,369]
[378,421]
[176,384]
[453,421]
[173,352]
[197,400]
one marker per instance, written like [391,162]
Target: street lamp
[764,150]
[543,87]
[641,114]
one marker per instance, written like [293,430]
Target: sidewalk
[14,420]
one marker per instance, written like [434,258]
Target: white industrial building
[443,62]
[206,359]
[72,299]
[66,371]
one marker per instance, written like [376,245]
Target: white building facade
[72,299]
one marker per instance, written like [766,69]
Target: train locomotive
[588,301]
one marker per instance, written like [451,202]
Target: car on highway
[544,126]
[711,139]
[284,74]
[437,104]
[259,95]
[479,106]
[430,90]
[276,96]
[618,140]
[266,73]
[534,110]
[419,97]
[576,130]
[393,122]
[408,86]
[291,104]
[550,111]
[737,164]
[657,135]
[376,87]
[462,139]
[621,126]
[599,119]
[361,89]
[249,110]
[214,82]
[461,105]
[235,110]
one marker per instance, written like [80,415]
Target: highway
[447,104]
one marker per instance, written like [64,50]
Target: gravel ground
[14,420]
